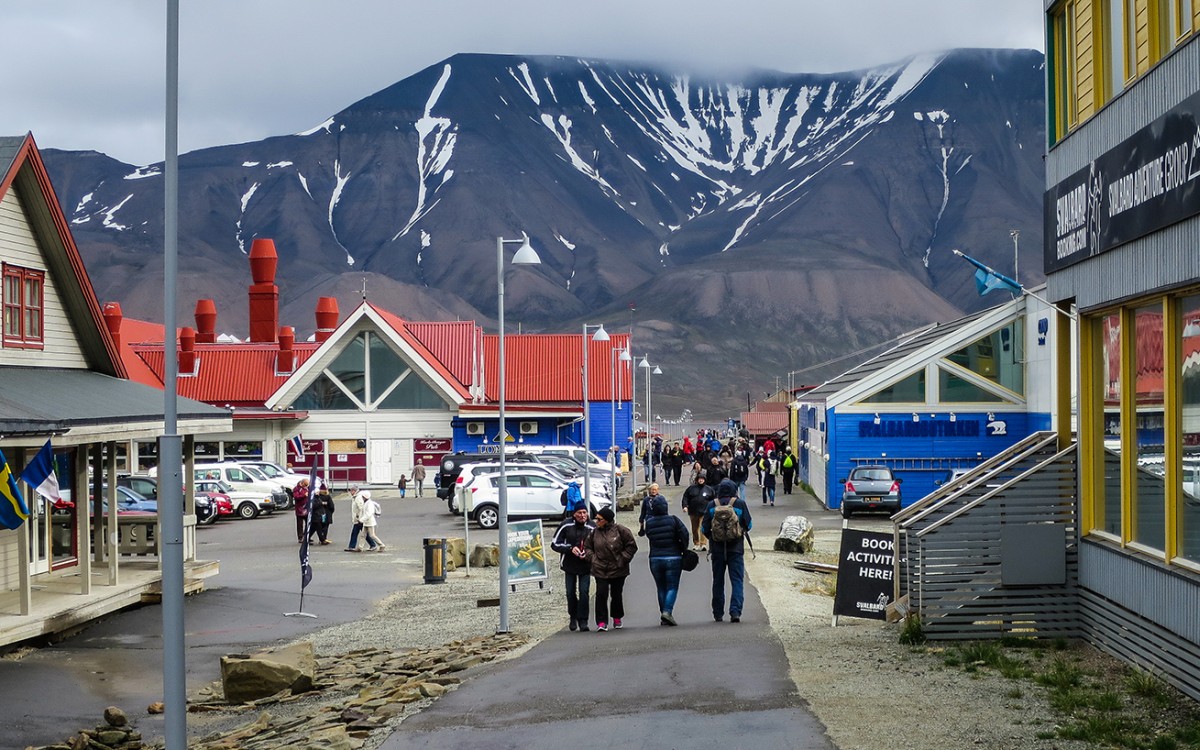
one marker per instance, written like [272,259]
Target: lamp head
[526,255]
[600,334]
[657,370]
[625,356]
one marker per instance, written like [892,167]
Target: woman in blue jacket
[668,539]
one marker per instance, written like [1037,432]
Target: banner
[865,566]
[526,552]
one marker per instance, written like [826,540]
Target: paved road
[700,685]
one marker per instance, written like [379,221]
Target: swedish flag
[13,510]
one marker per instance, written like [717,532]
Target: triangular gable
[24,170]
[390,327]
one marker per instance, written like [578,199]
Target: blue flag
[13,510]
[989,280]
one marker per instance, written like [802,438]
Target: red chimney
[112,321]
[206,321]
[327,318]
[264,295]
[287,358]
[187,351]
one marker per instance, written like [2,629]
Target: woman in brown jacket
[610,548]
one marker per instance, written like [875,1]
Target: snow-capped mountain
[780,218]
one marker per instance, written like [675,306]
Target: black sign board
[865,568]
[1150,181]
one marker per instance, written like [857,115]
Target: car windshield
[270,470]
[255,472]
[869,475]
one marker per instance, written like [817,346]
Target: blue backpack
[574,498]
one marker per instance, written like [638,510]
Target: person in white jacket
[370,519]
[357,503]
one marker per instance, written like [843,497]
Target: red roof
[452,343]
[549,367]
[401,327]
[228,374]
[764,422]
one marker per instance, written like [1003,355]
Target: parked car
[143,484]
[128,500]
[276,473]
[470,472]
[244,478]
[531,494]
[870,488]
[246,503]
[577,452]
[450,466]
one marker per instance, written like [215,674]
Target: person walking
[418,478]
[321,511]
[788,468]
[651,493]
[402,485]
[739,472]
[715,472]
[668,539]
[610,548]
[695,501]
[768,480]
[726,523]
[370,520]
[301,498]
[357,504]
[569,541]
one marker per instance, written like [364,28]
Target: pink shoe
[602,626]
[617,623]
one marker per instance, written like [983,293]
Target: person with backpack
[570,541]
[768,480]
[610,548]
[789,466]
[726,523]
[739,472]
[668,539]
[572,499]
[695,501]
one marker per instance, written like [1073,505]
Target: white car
[244,478]
[468,473]
[246,503]
[531,494]
[277,473]
[577,452]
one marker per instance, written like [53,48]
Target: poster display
[526,555]
[866,563]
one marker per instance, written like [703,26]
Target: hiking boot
[719,618]
[583,628]
[617,623]
[735,618]
[573,626]
[601,626]
[668,619]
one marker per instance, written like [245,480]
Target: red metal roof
[402,328]
[549,367]
[764,422]
[228,374]
[453,343]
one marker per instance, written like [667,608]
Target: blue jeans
[354,531]
[666,572]
[768,492]
[735,563]
[742,491]
[579,587]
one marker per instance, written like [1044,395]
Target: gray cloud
[90,75]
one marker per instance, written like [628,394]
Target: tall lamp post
[525,255]
[612,411]
[649,420]
[599,335]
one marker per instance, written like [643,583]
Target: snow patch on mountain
[567,243]
[278,164]
[561,128]
[323,126]
[141,173]
[109,222]
[525,82]
[340,181]
[437,137]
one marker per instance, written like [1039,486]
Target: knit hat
[727,488]
[659,506]
[607,514]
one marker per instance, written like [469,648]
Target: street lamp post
[525,255]
[599,335]
[612,412]
[649,419]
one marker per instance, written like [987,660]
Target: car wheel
[248,510]
[846,512]
[488,517]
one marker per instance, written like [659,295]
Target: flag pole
[305,565]
[1020,286]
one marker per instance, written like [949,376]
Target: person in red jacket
[301,495]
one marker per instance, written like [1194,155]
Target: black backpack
[739,470]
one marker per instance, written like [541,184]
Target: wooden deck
[59,608]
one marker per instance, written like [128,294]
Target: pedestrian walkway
[700,685]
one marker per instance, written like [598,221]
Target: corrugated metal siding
[450,342]
[948,550]
[1142,613]
[238,374]
[1161,259]
[549,367]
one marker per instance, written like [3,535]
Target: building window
[1064,83]
[1189,438]
[24,302]
[1149,492]
[1105,442]
[1117,46]
[367,375]
[910,390]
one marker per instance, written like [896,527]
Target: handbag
[690,559]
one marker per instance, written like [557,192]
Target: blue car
[128,500]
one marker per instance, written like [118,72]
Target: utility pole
[1015,234]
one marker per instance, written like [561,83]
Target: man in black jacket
[739,472]
[569,542]
[695,501]
[789,465]
[727,554]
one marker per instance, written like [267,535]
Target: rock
[432,690]
[485,556]
[456,552]
[262,675]
[115,717]
[156,708]
[111,737]
[796,534]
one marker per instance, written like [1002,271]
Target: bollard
[435,560]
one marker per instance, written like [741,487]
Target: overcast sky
[84,74]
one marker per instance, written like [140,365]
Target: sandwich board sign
[866,564]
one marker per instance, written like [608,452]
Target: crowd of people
[603,549]
[714,459]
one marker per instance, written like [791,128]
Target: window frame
[23,276]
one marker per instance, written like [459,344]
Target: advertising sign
[1148,181]
[865,566]
[429,451]
[526,553]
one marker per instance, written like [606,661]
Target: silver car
[870,488]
